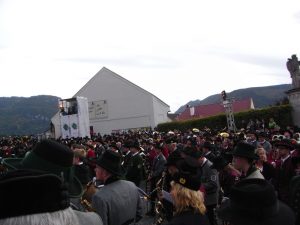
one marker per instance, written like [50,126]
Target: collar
[135,154]
[207,153]
[127,153]
[284,159]
[251,170]
[204,161]
[111,179]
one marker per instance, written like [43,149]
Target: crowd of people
[199,176]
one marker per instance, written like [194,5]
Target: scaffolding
[227,104]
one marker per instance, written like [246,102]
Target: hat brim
[74,186]
[120,172]
[233,153]
[283,216]
[287,146]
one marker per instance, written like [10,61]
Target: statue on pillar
[293,67]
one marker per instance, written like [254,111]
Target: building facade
[116,104]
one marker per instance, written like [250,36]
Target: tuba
[86,198]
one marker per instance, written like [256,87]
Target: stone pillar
[294,98]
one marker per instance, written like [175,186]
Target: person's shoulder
[88,218]
[194,218]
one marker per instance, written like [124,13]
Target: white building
[116,104]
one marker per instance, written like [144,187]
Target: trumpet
[86,198]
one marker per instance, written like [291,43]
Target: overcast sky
[178,50]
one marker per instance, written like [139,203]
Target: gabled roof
[118,77]
[202,111]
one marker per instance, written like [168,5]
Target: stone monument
[294,94]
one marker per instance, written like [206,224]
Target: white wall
[160,111]
[128,105]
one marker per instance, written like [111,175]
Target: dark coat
[210,181]
[158,166]
[126,160]
[82,173]
[295,196]
[283,177]
[135,169]
[268,171]
[189,218]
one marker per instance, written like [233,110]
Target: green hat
[53,157]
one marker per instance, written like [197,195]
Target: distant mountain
[24,116]
[262,96]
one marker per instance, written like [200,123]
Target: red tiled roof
[202,111]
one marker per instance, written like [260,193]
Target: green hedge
[281,114]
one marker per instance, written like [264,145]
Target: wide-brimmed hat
[51,157]
[174,159]
[26,192]
[187,179]
[286,143]
[219,163]
[254,201]
[111,161]
[244,150]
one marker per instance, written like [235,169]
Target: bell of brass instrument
[86,198]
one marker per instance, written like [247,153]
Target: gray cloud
[264,61]
[271,62]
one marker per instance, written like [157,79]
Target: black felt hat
[286,143]
[219,163]
[188,180]
[51,157]
[26,192]
[111,161]
[174,159]
[254,201]
[244,150]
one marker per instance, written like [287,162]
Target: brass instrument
[160,217]
[86,198]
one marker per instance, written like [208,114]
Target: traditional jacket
[118,202]
[284,173]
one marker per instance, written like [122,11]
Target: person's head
[109,164]
[284,147]
[119,145]
[126,147]
[262,137]
[135,147]
[206,147]
[243,156]
[254,201]
[250,136]
[261,152]
[185,193]
[43,199]
[102,174]
[51,157]
[173,163]
[79,155]
[159,147]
